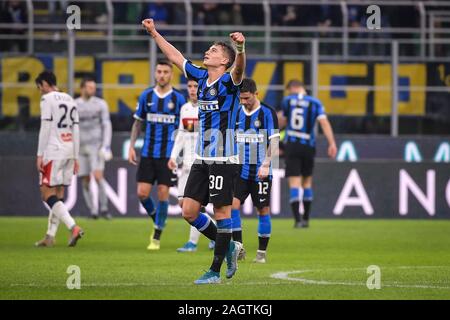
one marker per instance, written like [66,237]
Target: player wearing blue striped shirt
[258,138]
[159,108]
[211,178]
[299,113]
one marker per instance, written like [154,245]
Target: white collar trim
[164,95]
[252,112]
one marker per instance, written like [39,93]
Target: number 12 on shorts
[263,186]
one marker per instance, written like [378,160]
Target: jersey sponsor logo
[300,135]
[161,118]
[190,124]
[299,103]
[208,105]
[66,137]
[249,137]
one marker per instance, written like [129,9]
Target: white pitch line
[131,284]
[285,275]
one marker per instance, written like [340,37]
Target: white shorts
[90,160]
[57,173]
[182,179]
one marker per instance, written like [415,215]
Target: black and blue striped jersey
[301,112]
[161,115]
[218,103]
[253,133]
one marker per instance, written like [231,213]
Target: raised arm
[239,65]
[169,50]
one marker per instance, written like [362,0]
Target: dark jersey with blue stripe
[161,115]
[218,103]
[253,133]
[301,112]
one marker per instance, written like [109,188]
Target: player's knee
[236,204]
[143,193]
[163,193]
[86,180]
[263,211]
[98,174]
[189,213]
[307,182]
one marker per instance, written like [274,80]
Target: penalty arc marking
[287,275]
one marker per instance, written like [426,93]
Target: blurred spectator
[252,14]
[158,11]
[330,16]
[14,13]
[404,17]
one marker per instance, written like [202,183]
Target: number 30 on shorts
[263,186]
[215,182]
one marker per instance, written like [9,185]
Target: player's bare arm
[76,143]
[282,121]
[169,50]
[44,136]
[239,66]
[135,131]
[272,151]
[328,132]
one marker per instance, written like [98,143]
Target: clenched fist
[149,25]
[237,37]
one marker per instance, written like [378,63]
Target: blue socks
[205,225]
[294,195]
[308,195]
[161,214]
[149,206]
[236,225]
[236,217]
[202,222]
[264,226]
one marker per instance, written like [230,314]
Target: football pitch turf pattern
[327,261]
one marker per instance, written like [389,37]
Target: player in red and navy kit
[212,176]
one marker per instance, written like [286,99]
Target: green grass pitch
[327,261]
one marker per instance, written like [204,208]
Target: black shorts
[259,191]
[299,160]
[151,170]
[211,183]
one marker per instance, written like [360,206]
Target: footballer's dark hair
[229,52]
[164,62]
[295,83]
[85,80]
[46,76]
[248,85]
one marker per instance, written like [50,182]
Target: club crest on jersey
[171,105]
[212,92]
[257,123]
